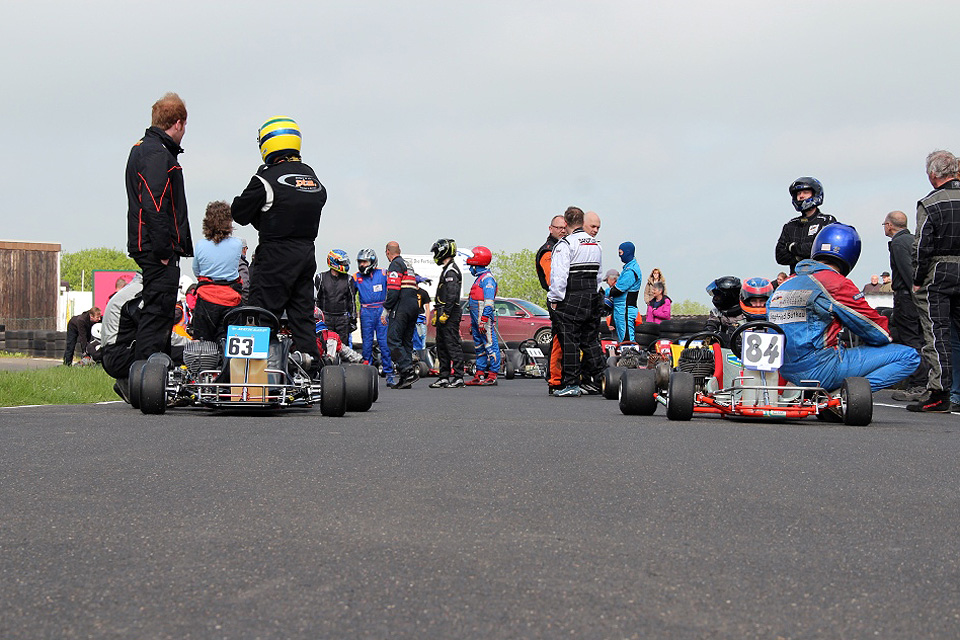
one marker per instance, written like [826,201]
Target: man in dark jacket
[796,238]
[905,318]
[400,309]
[283,201]
[79,330]
[158,231]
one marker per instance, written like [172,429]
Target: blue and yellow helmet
[338,260]
[279,133]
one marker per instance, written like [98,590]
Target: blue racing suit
[812,308]
[624,294]
[372,291]
[485,345]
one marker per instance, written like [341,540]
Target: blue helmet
[839,243]
[806,183]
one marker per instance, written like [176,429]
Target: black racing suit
[796,238]
[447,305]
[336,293]
[283,201]
[937,273]
[402,307]
[157,229]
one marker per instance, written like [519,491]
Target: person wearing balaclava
[624,293]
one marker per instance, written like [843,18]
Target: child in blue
[625,292]
[372,291]
[482,319]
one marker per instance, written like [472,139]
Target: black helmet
[725,292]
[806,184]
[442,249]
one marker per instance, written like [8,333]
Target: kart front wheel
[611,382]
[153,388]
[333,391]
[359,390]
[856,402]
[509,370]
[637,389]
[680,396]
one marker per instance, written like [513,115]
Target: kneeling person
[815,305]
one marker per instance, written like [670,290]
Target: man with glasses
[557,230]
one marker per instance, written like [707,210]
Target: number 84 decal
[762,351]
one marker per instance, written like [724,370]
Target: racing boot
[440,383]
[477,379]
[589,388]
[939,402]
[490,380]
[392,381]
[456,383]
[573,391]
[406,380]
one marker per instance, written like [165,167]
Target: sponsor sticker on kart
[762,351]
[252,343]
[534,352]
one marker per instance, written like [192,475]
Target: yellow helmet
[279,133]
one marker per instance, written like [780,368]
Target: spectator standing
[658,309]
[655,276]
[283,201]
[886,285]
[79,333]
[244,270]
[937,275]
[158,229]
[400,309]
[556,231]
[905,318]
[873,286]
[423,307]
[796,237]
[574,295]
[217,267]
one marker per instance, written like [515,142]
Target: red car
[517,320]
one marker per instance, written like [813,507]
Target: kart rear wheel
[856,402]
[333,391]
[610,385]
[680,396]
[663,371]
[153,388]
[359,391]
[134,376]
[375,382]
[637,389]
[423,369]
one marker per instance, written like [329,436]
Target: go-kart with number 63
[712,379]
[254,367]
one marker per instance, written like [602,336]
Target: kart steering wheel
[736,339]
[706,334]
[255,316]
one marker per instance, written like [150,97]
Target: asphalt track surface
[475,513]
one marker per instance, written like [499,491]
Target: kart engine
[697,361]
[201,355]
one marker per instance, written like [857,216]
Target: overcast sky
[681,124]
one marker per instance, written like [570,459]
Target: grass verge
[13,354]
[55,385]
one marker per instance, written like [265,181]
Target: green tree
[517,276]
[689,308]
[86,261]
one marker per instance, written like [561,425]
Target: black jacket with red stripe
[401,284]
[156,203]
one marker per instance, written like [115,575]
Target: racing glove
[483,323]
[353,325]
[443,318]
[384,316]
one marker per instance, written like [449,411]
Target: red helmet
[481,257]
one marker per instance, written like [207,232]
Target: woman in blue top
[216,264]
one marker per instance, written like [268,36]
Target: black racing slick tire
[509,370]
[359,392]
[134,375]
[610,384]
[153,388]
[856,400]
[680,396]
[637,389]
[333,391]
